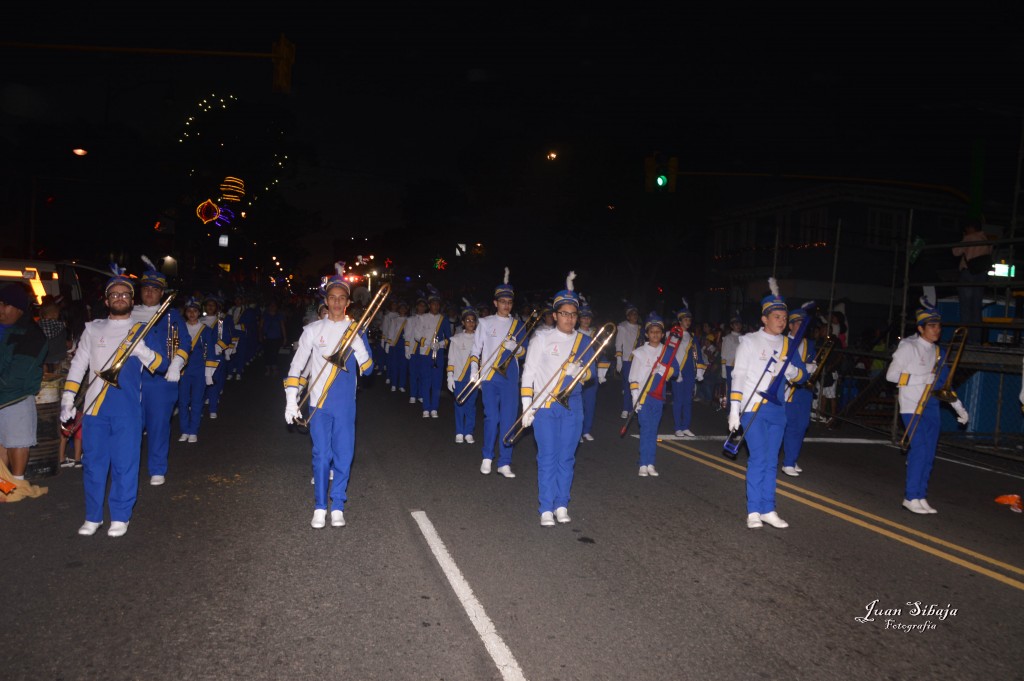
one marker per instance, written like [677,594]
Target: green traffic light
[661,180]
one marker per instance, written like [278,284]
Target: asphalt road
[221,576]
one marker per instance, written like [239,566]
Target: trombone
[502,367]
[944,393]
[110,374]
[599,342]
[339,357]
[820,359]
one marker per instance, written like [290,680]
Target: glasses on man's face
[568,315]
[119,296]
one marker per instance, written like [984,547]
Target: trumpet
[344,348]
[173,342]
[109,375]
[820,359]
[599,342]
[501,368]
[944,393]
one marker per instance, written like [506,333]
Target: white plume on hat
[925,303]
[686,305]
[149,263]
[117,269]
[468,304]
[339,267]
[568,281]
[773,285]
[506,276]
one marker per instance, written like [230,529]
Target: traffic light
[660,174]
[283,57]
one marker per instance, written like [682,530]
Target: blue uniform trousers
[763,438]
[798,418]
[921,455]
[419,367]
[433,378]
[557,431]
[465,414]
[589,405]
[627,396]
[111,444]
[158,398]
[191,389]
[334,441]
[649,419]
[214,391]
[682,401]
[398,367]
[501,409]
[380,359]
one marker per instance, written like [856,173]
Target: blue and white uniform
[644,387]
[462,365]
[428,343]
[500,393]
[394,342]
[224,348]
[628,338]
[798,405]
[691,369]
[202,364]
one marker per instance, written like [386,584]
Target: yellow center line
[738,471]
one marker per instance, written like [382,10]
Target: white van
[45,278]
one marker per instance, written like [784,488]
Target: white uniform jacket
[544,369]
[460,355]
[748,374]
[318,341]
[911,369]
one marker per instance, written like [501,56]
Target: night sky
[435,117]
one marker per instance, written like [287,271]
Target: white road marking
[500,653]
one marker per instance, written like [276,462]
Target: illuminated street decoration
[225,216]
[232,189]
[208,211]
[440,264]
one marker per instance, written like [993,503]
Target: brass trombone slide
[501,368]
[110,374]
[820,359]
[339,357]
[601,339]
[944,393]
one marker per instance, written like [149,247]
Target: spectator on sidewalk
[974,265]
[23,348]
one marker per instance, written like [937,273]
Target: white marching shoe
[469,439]
[791,471]
[433,413]
[337,519]
[193,439]
[485,466]
[774,520]
[157,480]
[426,414]
[89,528]
[547,519]
[506,471]
[412,400]
[914,506]
[117,529]
[319,518]
[926,506]
[624,414]
[650,471]
[754,521]
[562,515]
[588,437]
[643,471]
[183,438]
[459,439]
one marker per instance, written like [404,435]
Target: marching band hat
[630,307]
[433,294]
[467,310]
[337,279]
[773,301]
[567,295]
[504,289]
[684,311]
[927,312]
[797,315]
[736,318]
[15,295]
[585,310]
[193,302]
[152,276]
[119,278]
[214,297]
[654,319]
[402,302]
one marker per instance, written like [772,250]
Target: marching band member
[627,339]
[730,343]
[555,357]
[590,385]
[159,389]
[913,369]
[430,334]
[386,320]
[332,398]
[462,364]
[642,362]
[500,393]
[692,367]
[112,422]
[759,359]
[798,399]
[412,350]
[394,337]
[202,364]
[224,331]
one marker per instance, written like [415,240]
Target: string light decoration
[207,211]
[232,189]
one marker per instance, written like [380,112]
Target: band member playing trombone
[462,364]
[555,357]
[332,398]
[917,366]
[499,336]
[759,360]
[644,365]
[112,421]
[160,390]
[798,398]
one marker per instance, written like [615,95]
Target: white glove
[527,401]
[218,350]
[173,374]
[408,351]
[528,417]
[509,345]
[635,394]
[228,353]
[474,373]
[67,406]
[659,369]
[725,372]
[962,417]
[573,368]
[291,409]
[734,416]
[700,374]
[209,375]
[618,364]
[602,376]
[384,345]
[792,372]
[144,353]
[811,368]
[451,382]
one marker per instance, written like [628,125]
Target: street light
[369,280]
